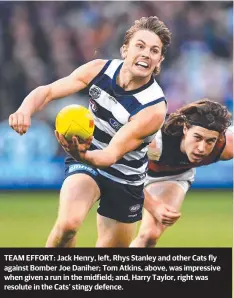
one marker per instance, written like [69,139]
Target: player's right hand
[20,122]
[76,147]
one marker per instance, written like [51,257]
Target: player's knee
[104,241]
[150,237]
[68,228]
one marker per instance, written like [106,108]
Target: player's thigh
[119,210]
[170,192]
[121,202]
[112,233]
[78,194]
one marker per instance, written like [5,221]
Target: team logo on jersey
[93,105]
[135,208]
[94,92]
[115,124]
[142,176]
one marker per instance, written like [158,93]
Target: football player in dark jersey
[194,136]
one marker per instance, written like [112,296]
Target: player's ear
[158,67]
[123,51]
[185,129]
[159,62]
[161,59]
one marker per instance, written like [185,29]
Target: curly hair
[206,113]
[152,24]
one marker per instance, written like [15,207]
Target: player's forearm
[36,100]
[100,158]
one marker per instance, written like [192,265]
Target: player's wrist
[25,111]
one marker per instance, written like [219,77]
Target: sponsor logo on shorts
[135,208]
[79,167]
[115,124]
[132,215]
[95,92]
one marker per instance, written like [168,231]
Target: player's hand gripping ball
[75,120]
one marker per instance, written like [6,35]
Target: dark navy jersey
[171,161]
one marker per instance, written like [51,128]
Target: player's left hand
[76,147]
[164,213]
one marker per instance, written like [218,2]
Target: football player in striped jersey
[128,107]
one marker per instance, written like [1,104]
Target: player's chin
[194,159]
[142,73]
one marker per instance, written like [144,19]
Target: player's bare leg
[151,230]
[78,194]
[112,233]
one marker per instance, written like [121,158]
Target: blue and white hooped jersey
[112,107]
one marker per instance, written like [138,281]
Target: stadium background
[44,41]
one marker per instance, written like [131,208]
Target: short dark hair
[206,113]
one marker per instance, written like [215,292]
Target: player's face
[198,142]
[143,53]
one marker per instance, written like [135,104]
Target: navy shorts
[118,201]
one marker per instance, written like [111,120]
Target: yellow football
[75,120]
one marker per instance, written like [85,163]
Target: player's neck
[126,81]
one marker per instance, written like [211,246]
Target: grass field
[26,219]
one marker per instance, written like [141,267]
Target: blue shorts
[118,201]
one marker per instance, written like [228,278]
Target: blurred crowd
[42,41]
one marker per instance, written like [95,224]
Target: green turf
[26,220]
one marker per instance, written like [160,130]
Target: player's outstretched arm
[42,95]
[228,150]
[129,137]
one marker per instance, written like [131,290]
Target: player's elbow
[44,92]
[159,121]
[48,92]
[153,124]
